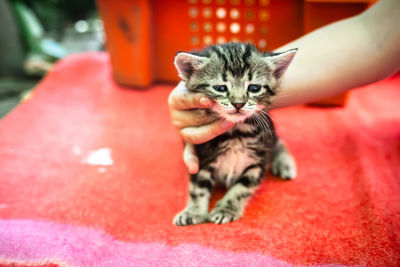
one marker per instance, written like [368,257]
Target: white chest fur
[230,165]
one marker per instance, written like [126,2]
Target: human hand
[188,116]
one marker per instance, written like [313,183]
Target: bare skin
[194,129]
[334,59]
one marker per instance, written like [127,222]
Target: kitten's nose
[238,105]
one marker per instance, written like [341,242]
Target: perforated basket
[144,36]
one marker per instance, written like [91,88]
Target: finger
[190,118]
[181,98]
[190,158]
[199,135]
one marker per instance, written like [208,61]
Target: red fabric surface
[344,207]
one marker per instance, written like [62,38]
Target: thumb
[190,158]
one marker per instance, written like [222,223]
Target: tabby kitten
[241,80]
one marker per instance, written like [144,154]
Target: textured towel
[91,174]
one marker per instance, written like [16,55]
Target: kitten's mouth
[237,116]
[237,112]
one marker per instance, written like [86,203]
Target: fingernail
[204,101]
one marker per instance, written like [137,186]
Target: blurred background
[35,34]
[143,36]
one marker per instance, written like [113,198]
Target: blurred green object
[12,51]
[35,34]
[42,50]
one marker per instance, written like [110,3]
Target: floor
[92,173]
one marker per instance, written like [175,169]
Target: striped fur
[241,80]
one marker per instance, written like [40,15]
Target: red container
[143,36]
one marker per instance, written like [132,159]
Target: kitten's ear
[280,62]
[187,63]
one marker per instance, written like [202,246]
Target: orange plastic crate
[143,36]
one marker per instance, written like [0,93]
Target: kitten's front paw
[223,215]
[186,217]
[284,166]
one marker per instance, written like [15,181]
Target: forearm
[343,55]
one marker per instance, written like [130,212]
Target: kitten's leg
[231,206]
[196,211]
[283,163]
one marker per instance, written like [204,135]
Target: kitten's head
[237,76]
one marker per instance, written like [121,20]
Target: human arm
[331,60]
[343,55]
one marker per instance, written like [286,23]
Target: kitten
[241,80]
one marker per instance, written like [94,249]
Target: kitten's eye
[220,88]
[254,88]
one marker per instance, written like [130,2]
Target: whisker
[267,116]
[253,121]
[257,120]
[264,125]
[260,124]
[265,121]
[266,113]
